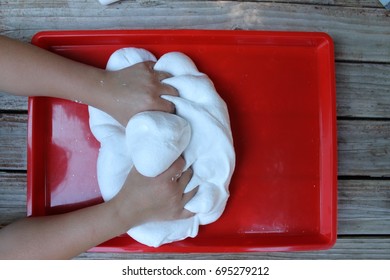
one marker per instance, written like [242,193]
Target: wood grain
[12,197]
[360,34]
[13,141]
[12,102]
[364,148]
[364,207]
[363,90]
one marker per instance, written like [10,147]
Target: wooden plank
[360,34]
[342,3]
[364,207]
[346,248]
[12,197]
[13,141]
[12,102]
[63,3]
[364,148]
[363,91]
[13,189]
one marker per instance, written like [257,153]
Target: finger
[176,167]
[162,75]
[150,64]
[189,195]
[169,90]
[167,106]
[186,214]
[185,178]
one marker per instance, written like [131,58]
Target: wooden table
[361,32]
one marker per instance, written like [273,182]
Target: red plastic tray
[280,90]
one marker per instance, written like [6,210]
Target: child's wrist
[125,217]
[95,93]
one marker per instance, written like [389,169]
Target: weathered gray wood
[345,248]
[12,102]
[64,4]
[13,189]
[363,90]
[12,197]
[364,148]
[13,141]
[360,34]
[343,3]
[143,3]
[364,207]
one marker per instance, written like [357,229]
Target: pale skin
[29,71]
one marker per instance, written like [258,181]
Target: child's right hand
[145,199]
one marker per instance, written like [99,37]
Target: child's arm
[28,70]
[141,200]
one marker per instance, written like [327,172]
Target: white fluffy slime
[152,141]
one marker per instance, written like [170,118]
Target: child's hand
[121,94]
[144,199]
[135,89]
